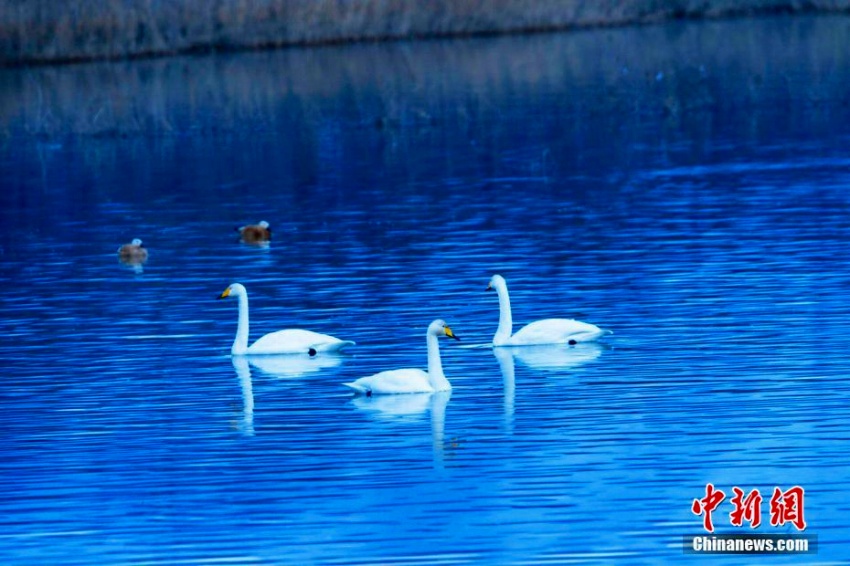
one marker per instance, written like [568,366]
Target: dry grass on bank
[51,30]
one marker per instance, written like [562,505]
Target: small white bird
[290,341]
[411,380]
[255,233]
[546,331]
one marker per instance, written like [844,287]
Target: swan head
[233,290]
[496,282]
[440,328]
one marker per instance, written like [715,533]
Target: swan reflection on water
[289,366]
[411,407]
[557,357]
[284,367]
[243,372]
[506,364]
[551,358]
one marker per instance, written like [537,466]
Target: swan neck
[506,323]
[240,344]
[435,367]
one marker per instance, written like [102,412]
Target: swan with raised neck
[411,380]
[545,331]
[289,341]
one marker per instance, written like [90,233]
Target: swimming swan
[411,380]
[546,331]
[290,341]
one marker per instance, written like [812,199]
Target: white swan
[411,380]
[546,331]
[290,341]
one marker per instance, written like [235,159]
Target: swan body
[410,380]
[290,341]
[133,251]
[546,331]
[255,233]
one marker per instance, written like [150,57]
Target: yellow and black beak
[451,334]
[225,294]
[489,286]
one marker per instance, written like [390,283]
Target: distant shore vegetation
[48,31]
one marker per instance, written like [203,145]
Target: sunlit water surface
[688,193]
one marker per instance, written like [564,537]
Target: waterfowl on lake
[546,331]
[289,341]
[133,252]
[255,233]
[411,380]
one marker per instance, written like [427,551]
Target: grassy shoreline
[45,31]
[615,79]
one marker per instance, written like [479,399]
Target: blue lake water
[682,185]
